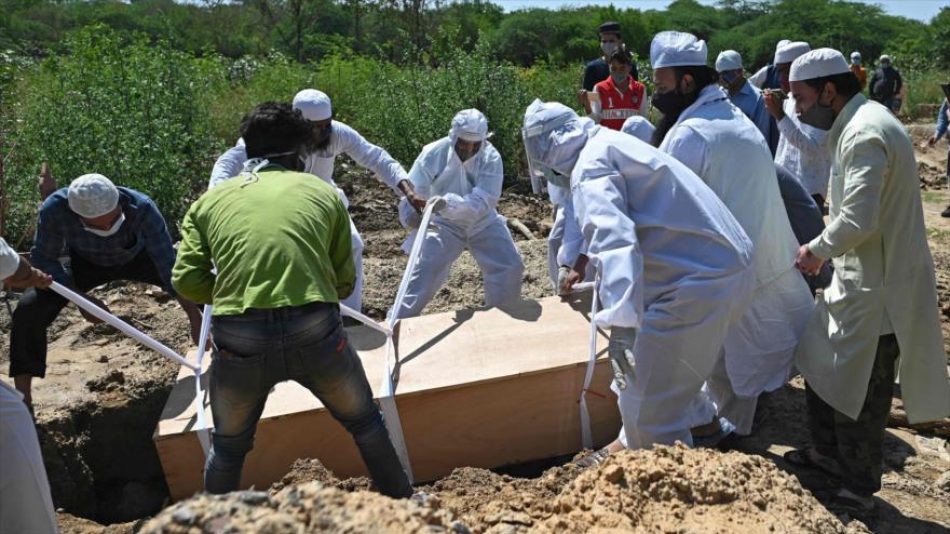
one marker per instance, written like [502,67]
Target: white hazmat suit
[315,106]
[674,264]
[471,190]
[717,142]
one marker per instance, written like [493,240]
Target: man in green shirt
[280,243]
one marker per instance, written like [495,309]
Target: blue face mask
[729,77]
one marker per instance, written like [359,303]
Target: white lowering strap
[587,437]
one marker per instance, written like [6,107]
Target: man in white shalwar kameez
[674,265]
[713,138]
[881,307]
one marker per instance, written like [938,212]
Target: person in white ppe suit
[704,131]
[465,170]
[674,265]
[572,269]
[25,501]
[801,147]
[333,138]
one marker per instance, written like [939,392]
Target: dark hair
[702,74]
[275,127]
[622,56]
[846,83]
[609,27]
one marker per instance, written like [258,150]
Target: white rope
[387,401]
[587,437]
[121,325]
[204,433]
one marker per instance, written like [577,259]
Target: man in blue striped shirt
[111,233]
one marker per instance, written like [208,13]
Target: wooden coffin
[483,388]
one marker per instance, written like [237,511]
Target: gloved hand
[408,216]
[620,350]
[457,209]
[563,273]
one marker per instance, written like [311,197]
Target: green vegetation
[149,92]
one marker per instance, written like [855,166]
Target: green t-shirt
[279,239]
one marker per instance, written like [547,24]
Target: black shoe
[946,212]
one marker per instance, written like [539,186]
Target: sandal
[717,439]
[810,458]
[593,459]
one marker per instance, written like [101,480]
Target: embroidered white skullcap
[313,104]
[790,51]
[92,195]
[677,49]
[818,63]
[728,60]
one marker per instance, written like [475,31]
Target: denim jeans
[260,348]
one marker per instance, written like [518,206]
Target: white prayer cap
[313,104]
[728,60]
[92,195]
[818,63]
[790,52]
[469,125]
[781,43]
[639,127]
[884,58]
[677,49]
[855,55]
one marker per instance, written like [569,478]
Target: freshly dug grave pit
[668,489]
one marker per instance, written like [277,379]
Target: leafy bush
[118,106]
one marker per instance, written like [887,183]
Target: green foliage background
[149,92]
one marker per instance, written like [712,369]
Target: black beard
[322,144]
[670,119]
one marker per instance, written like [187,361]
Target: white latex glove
[408,216]
[620,350]
[457,209]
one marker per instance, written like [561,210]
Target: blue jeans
[260,348]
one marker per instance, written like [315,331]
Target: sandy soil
[98,405]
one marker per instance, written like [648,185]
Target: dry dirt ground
[97,408]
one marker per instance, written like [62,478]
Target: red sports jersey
[617,107]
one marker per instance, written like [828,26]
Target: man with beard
[332,138]
[465,170]
[674,266]
[703,130]
[744,95]
[879,316]
[801,148]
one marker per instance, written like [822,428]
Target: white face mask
[608,47]
[111,231]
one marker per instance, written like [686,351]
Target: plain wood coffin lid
[475,388]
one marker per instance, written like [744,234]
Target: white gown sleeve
[369,156]
[229,164]
[613,249]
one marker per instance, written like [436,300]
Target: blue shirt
[942,121]
[144,228]
[750,101]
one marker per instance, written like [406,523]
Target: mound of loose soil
[669,489]
[310,507]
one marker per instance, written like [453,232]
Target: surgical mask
[729,77]
[818,116]
[608,47]
[619,79]
[669,102]
[111,231]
